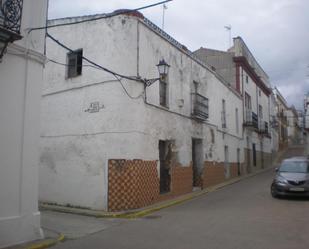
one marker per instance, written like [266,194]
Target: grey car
[292,178]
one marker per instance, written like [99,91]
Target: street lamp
[163,69]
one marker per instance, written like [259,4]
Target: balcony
[10,21]
[199,106]
[263,128]
[251,119]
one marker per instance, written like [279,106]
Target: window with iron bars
[75,63]
[223,114]
[163,93]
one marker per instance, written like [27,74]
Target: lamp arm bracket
[149,82]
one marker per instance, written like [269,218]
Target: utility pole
[163,16]
[229,29]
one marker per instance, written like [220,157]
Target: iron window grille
[251,119]
[200,106]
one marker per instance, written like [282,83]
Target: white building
[112,144]
[306,107]
[239,67]
[282,109]
[293,128]
[21,71]
[274,124]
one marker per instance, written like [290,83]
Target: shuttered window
[75,63]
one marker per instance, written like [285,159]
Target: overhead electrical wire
[95,65]
[100,17]
[133,78]
[67,65]
[117,76]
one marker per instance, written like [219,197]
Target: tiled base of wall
[132,184]
[135,183]
[262,161]
[215,173]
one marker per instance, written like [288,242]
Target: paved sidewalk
[64,223]
[58,227]
[74,226]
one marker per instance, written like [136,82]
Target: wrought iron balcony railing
[263,128]
[251,119]
[10,15]
[200,106]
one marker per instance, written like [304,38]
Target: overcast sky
[276,31]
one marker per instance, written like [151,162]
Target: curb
[143,212]
[46,243]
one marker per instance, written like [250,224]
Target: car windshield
[294,167]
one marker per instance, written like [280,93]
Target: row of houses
[116,134]
[118,142]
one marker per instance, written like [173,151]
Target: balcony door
[248,108]
[254,154]
[248,101]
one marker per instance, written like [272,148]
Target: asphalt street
[239,216]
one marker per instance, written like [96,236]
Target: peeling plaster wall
[76,144]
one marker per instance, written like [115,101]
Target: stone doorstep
[137,213]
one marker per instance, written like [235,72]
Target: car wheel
[273,191]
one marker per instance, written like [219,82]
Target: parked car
[292,178]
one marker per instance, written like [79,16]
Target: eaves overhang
[242,61]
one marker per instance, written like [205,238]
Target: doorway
[248,156]
[254,154]
[238,162]
[197,160]
[262,155]
[165,155]
[226,162]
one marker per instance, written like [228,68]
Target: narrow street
[239,216]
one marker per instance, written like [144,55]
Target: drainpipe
[137,48]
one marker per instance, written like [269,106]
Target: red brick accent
[182,180]
[242,61]
[233,170]
[135,183]
[214,173]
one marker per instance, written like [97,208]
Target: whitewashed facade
[306,107]
[21,71]
[239,67]
[294,129]
[274,124]
[282,109]
[90,119]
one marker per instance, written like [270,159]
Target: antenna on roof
[164,7]
[229,29]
